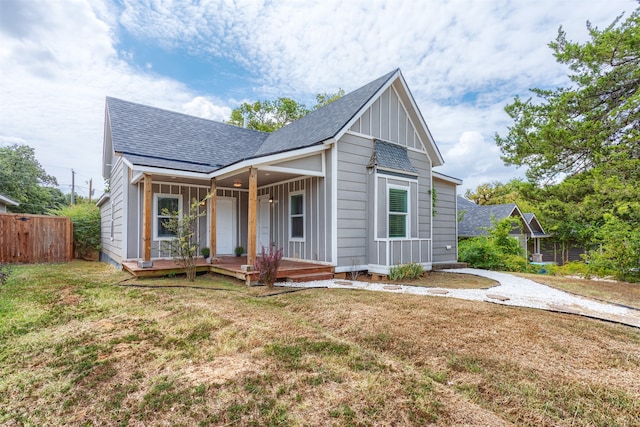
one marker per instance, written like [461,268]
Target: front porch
[291,271]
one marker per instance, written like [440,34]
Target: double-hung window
[398,212]
[165,206]
[296,209]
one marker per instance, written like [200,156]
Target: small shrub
[479,252]
[239,250]
[496,251]
[618,245]
[514,263]
[267,264]
[184,245]
[86,227]
[409,271]
[205,252]
[574,268]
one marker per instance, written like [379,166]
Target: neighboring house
[349,185]
[476,219]
[561,253]
[5,201]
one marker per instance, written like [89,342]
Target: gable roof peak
[326,122]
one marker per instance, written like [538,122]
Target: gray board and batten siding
[349,180]
[445,241]
[111,213]
[315,245]
[362,190]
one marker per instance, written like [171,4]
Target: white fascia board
[8,201]
[103,198]
[524,220]
[136,177]
[534,218]
[447,178]
[107,145]
[265,161]
[139,171]
[334,203]
[422,122]
[232,170]
[291,171]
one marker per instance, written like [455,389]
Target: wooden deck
[294,271]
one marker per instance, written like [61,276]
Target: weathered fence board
[35,238]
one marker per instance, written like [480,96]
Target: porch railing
[401,251]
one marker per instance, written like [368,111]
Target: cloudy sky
[463,60]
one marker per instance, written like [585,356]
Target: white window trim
[291,216]
[156,213]
[407,214]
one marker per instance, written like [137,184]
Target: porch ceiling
[264,178]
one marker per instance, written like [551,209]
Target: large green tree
[496,193]
[268,116]
[582,143]
[24,180]
[327,98]
[596,120]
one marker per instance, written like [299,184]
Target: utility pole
[73,186]
[90,188]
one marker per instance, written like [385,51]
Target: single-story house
[351,185]
[5,201]
[476,219]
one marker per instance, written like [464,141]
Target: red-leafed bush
[267,264]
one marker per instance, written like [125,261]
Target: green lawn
[81,345]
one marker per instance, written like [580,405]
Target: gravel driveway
[512,290]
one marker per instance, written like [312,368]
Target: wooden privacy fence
[35,238]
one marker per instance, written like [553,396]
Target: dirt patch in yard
[438,279]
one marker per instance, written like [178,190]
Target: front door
[264,220]
[225,225]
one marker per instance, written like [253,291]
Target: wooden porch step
[285,272]
[309,277]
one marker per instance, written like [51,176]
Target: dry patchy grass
[613,291]
[76,349]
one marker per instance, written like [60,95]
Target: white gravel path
[512,290]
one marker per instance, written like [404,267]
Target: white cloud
[202,107]
[58,60]
[477,160]
[57,65]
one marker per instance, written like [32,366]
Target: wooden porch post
[253,207]
[212,218]
[146,220]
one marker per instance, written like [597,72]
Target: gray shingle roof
[324,123]
[391,156]
[169,164]
[477,217]
[157,137]
[149,136]
[534,225]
